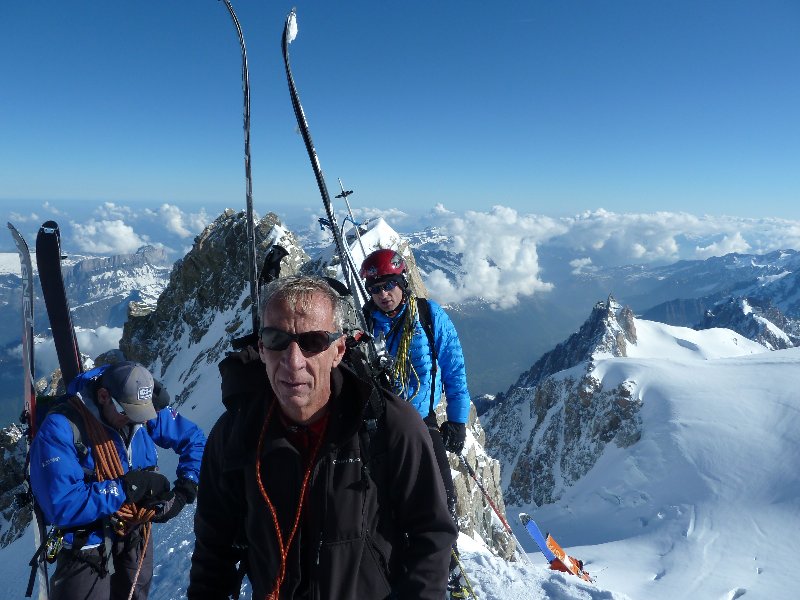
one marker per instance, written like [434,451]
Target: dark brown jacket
[367,531]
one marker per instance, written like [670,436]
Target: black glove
[184,492]
[453,435]
[146,488]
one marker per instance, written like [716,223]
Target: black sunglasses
[309,341]
[386,286]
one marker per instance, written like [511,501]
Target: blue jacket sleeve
[57,479]
[171,430]
[450,357]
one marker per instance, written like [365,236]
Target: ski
[28,416]
[252,271]
[349,270]
[553,552]
[48,258]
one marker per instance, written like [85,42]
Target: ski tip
[291,26]
[49,227]
[524,518]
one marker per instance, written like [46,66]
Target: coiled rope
[107,466]
[403,367]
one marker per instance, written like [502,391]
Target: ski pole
[344,195]
[252,270]
[503,520]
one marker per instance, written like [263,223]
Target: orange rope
[107,466]
[284,549]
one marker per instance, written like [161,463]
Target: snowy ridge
[704,504]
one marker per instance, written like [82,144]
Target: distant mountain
[663,452]
[498,345]
[99,290]
[550,428]
[755,318]
[663,456]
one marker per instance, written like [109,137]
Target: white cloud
[51,209]
[20,218]
[498,255]
[612,239]
[581,265]
[727,245]
[501,248]
[180,223]
[109,211]
[173,220]
[95,342]
[107,237]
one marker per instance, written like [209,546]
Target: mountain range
[594,433]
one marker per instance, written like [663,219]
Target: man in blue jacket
[419,369]
[94,472]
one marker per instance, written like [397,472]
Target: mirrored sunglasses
[309,341]
[386,286]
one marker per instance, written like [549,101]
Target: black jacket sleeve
[419,504]
[218,520]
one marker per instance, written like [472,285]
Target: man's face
[387,300]
[110,412]
[301,380]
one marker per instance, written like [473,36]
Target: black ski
[252,269]
[349,270]
[48,258]
[28,416]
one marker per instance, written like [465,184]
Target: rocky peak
[550,427]
[607,332]
[756,319]
[208,286]
[15,514]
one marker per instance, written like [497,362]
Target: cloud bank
[504,254]
[501,249]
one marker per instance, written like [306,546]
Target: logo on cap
[145,394]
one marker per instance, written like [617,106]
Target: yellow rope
[402,367]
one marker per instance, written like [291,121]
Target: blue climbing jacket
[450,373]
[62,472]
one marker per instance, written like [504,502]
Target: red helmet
[381,263]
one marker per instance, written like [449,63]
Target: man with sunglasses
[426,358]
[317,500]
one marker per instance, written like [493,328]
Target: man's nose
[293,355]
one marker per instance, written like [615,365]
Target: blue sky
[551,108]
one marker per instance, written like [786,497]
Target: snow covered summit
[667,455]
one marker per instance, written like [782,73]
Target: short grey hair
[299,290]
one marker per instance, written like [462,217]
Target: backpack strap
[426,320]
[61,406]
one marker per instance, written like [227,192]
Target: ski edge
[29,403]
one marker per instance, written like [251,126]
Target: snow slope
[707,503]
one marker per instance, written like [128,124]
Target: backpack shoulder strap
[372,438]
[426,320]
[62,406]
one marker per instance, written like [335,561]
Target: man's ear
[261,352]
[340,348]
[103,397]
